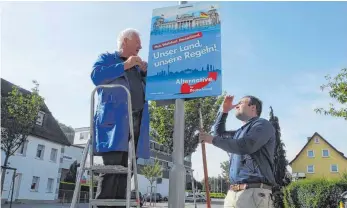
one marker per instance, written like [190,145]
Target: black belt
[244,186]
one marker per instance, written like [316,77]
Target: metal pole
[221,184]
[178,172]
[13,186]
[177,177]
[193,187]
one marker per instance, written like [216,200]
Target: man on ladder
[111,127]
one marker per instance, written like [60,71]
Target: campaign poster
[185,52]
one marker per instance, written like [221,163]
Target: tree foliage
[71,175]
[225,166]
[337,87]
[280,163]
[162,121]
[152,171]
[68,131]
[216,184]
[197,185]
[19,113]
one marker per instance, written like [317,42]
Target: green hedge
[314,193]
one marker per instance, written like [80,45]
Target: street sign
[185,52]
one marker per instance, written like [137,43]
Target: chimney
[308,138]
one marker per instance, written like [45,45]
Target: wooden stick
[205,164]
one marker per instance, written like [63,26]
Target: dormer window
[40,117]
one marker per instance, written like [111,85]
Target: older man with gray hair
[111,125]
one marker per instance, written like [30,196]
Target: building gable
[316,139]
[49,129]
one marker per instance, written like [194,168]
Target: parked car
[133,196]
[198,198]
[156,197]
[201,197]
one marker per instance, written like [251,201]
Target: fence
[65,196]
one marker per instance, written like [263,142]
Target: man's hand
[205,137]
[228,103]
[143,66]
[132,61]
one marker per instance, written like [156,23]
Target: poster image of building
[185,52]
[205,18]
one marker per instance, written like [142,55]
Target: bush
[314,193]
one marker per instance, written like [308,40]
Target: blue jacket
[111,122]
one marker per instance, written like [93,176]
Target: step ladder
[94,203]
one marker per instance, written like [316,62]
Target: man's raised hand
[228,103]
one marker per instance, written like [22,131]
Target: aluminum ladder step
[111,202]
[108,169]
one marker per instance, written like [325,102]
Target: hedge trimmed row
[314,193]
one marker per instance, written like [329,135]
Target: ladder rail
[79,177]
[90,148]
[130,143]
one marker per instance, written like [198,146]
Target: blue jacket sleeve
[104,72]
[259,134]
[219,126]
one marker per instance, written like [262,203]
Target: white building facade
[37,174]
[37,161]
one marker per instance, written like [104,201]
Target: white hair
[127,33]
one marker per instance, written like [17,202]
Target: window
[310,169]
[40,151]
[50,183]
[84,135]
[310,153]
[40,117]
[22,148]
[334,168]
[35,184]
[325,153]
[316,140]
[54,153]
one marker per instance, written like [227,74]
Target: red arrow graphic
[187,89]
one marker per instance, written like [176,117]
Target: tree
[225,166]
[71,175]
[216,184]
[337,88]
[280,163]
[197,185]
[162,121]
[68,131]
[152,171]
[19,112]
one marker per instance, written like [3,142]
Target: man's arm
[219,127]
[103,73]
[252,141]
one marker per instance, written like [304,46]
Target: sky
[277,51]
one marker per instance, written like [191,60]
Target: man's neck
[124,54]
[247,120]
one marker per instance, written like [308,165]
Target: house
[158,151]
[37,161]
[318,158]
